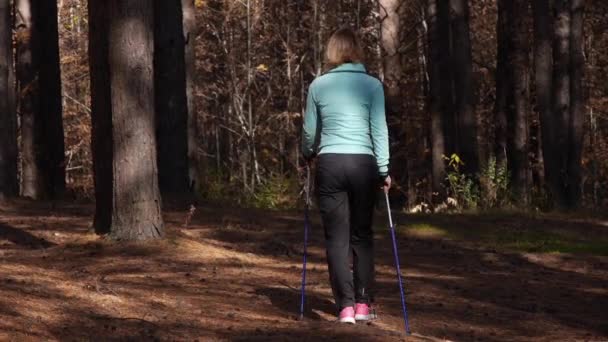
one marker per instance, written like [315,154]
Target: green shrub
[494,185]
[276,192]
[462,188]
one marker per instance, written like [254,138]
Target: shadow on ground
[235,275]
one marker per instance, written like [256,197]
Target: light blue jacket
[345,114]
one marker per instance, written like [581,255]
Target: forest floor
[234,274]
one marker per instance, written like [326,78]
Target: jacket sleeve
[379,130]
[310,125]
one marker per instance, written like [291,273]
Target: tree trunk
[503,93]
[435,100]
[101,114]
[8,116]
[543,68]
[390,29]
[561,100]
[577,104]
[189,14]
[171,98]
[50,110]
[464,86]
[31,177]
[38,73]
[136,203]
[448,112]
[517,142]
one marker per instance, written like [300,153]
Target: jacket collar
[349,67]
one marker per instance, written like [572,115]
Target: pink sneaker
[347,315]
[362,312]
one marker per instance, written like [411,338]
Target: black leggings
[347,185]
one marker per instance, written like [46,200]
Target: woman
[345,125]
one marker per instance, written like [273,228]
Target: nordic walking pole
[396,253]
[306,226]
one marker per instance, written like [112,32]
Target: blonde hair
[343,46]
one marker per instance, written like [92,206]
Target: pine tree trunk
[32,177]
[517,142]
[136,203]
[171,98]
[38,74]
[446,86]
[435,100]
[577,104]
[101,114]
[503,93]
[189,14]
[561,99]
[464,86]
[8,115]
[390,30]
[51,111]
[543,68]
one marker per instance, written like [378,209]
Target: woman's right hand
[386,184]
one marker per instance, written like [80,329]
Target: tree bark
[38,73]
[390,30]
[101,114]
[136,203]
[448,112]
[577,104]
[435,101]
[8,116]
[543,69]
[503,93]
[464,86]
[517,142]
[171,98]
[51,98]
[189,14]
[561,100]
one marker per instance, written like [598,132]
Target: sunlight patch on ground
[596,291]
[417,275]
[562,262]
[546,242]
[423,230]
[507,233]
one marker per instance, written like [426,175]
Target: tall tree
[171,97]
[503,34]
[8,119]
[561,99]
[543,80]
[391,65]
[513,94]
[136,204]
[577,103]
[101,114]
[189,14]
[448,112]
[464,87]
[561,108]
[39,84]
[435,99]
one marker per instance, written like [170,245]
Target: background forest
[151,178]
[465,120]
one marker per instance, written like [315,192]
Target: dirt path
[234,275]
